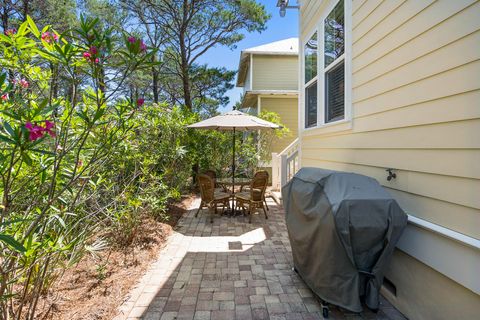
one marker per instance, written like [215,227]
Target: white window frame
[305,85]
[321,70]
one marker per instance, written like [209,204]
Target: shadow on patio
[229,270]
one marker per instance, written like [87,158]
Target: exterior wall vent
[389,286]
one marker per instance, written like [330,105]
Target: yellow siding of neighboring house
[415,108]
[275,72]
[287,109]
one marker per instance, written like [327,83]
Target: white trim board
[453,254]
[275,92]
[449,233]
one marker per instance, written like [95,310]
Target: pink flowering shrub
[37,131]
[49,37]
[136,45]
[10,32]
[55,147]
[23,83]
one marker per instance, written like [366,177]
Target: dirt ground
[97,285]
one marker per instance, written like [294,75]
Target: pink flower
[49,36]
[132,39]
[5,97]
[48,128]
[90,55]
[143,46]
[23,83]
[140,102]
[46,37]
[35,131]
[10,32]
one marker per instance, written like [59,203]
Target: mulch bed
[96,287]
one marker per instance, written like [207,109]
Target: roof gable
[277,48]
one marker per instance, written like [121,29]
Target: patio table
[227,182]
[238,182]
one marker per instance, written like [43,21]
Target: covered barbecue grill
[343,228]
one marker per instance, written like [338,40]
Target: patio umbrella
[234,121]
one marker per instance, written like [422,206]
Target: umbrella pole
[233,162]
[233,174]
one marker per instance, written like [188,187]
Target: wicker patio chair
[261,173]
[212,174]
[255,197]
[211,199]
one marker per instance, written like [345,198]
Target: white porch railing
[284,165]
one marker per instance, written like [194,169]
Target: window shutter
[335,93]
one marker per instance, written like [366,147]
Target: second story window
[311,80]
[326,82]
[334,64]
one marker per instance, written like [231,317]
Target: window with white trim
[311,80]
[325,86]
[334,63]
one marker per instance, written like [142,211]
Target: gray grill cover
[343,228]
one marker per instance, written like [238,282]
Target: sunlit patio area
[230,269]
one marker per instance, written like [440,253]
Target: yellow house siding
[287,109]
[309,15]
[405,24]
[453,29]
[275,72]
[426,290]
[402,107]
[416,108]
[455,207]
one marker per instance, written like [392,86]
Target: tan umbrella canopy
[234,121]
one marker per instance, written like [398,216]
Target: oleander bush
[57,145]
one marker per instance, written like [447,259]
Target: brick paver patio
[229,270]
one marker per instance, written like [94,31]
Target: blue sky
[277,29]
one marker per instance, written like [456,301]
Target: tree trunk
[101,79]
[5,22]
[186,90]
[25,9]
[54,86]
[155,84]
[187,97]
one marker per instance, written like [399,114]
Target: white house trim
[451,253]
[275,92]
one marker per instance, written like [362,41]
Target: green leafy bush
[80,164]
[55,145]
